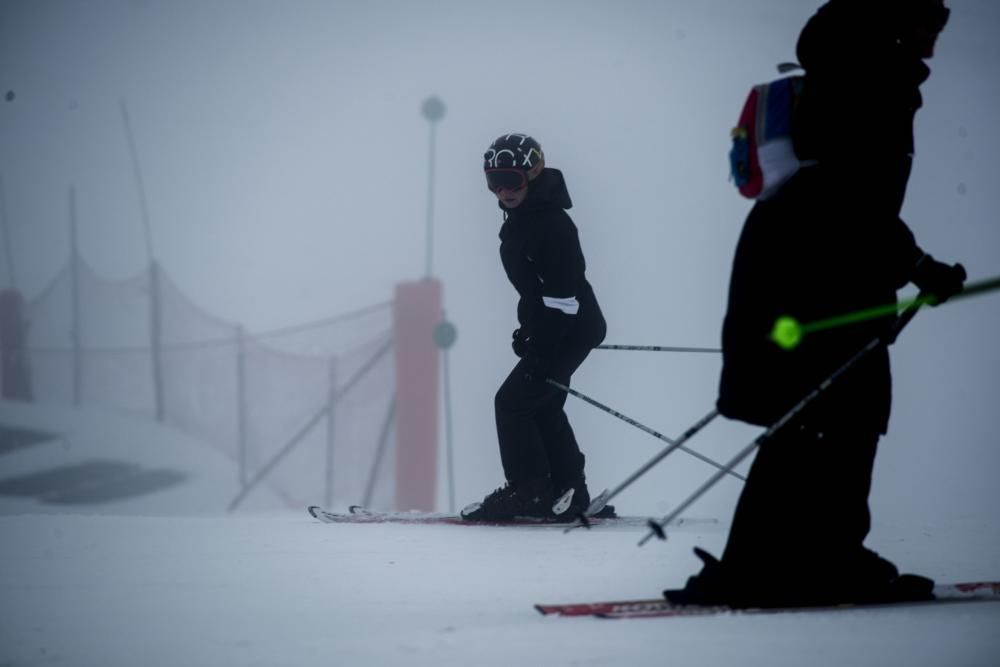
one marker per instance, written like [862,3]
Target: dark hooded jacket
[541,253]
[831,241]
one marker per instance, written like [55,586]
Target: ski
[978,591]
[359,514]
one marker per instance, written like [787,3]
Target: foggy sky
[285,163]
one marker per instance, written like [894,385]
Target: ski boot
[531,499]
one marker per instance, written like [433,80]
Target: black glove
[520,343]
[940,280]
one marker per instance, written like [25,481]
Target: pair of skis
[359,514]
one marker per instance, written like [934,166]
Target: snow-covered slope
[165,578]
[286,590]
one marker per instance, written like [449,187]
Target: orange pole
[417,310]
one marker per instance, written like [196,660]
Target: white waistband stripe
[568,305]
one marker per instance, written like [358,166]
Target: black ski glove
[520,343]
[940,280]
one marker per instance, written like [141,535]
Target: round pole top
[433,108]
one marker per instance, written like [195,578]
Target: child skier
[559,324]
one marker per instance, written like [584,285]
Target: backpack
[762,157]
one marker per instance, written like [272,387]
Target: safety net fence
[306,410]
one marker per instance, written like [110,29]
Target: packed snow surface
[127,582]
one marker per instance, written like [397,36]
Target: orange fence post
[417,310]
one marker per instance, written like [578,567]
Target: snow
[166,577]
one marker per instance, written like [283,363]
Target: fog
[285,162]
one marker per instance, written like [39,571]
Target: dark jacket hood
[854,35]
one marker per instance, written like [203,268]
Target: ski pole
[657,348]
[642,427]
[602,499]
[788,332]
[656,527]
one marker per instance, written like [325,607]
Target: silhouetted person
[829,242]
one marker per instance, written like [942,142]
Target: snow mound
[91,461]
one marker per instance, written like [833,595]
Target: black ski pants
[802,518]
[535,437]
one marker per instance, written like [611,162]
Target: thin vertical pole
[76,333]
[449,451]
[8,251]
[433,110]
[156,339]
[139,183]
[330,432]
[154,273]
[430,203]
[383,441]
[241,404]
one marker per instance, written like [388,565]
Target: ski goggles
[505,179]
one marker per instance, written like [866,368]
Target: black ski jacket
[831,241]
[541,253]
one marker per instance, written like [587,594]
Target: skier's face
[511,198]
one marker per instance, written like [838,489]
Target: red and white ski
[978,591]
